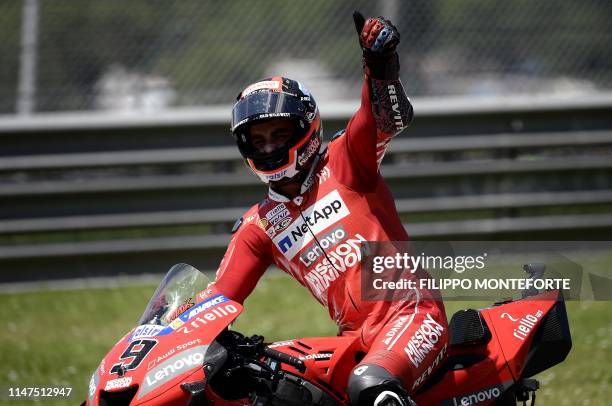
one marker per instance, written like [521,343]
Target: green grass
[58,338]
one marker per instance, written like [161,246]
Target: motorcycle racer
[322,204]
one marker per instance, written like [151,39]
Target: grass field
[59,337]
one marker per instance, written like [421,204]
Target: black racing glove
[378,39]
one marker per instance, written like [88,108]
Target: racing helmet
[278,98]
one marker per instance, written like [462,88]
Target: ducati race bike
[182,352]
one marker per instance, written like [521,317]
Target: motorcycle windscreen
[175,294]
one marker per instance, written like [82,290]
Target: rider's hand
[376,35]
[378,39]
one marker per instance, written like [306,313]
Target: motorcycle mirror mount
[197,390]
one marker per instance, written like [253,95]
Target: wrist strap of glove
[383,66]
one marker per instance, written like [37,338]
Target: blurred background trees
[111,54]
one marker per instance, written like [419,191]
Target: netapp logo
[321,215]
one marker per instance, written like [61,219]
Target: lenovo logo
[172,368]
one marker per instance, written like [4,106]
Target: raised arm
[385,109]
[245,261]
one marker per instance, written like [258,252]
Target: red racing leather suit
[316,236]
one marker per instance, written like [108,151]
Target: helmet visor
[264,105]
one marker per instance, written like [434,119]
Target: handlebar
[285,358]
[254,347]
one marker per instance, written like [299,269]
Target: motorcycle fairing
[158,363]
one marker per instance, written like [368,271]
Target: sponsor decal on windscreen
[210,316]
[203,307]
[193,312]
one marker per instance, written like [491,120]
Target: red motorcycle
[183,353]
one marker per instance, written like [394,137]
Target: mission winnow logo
[321,215]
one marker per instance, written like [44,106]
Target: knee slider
[368,381]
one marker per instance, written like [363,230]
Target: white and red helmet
[278,98]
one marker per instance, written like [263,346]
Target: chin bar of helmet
[299,156]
